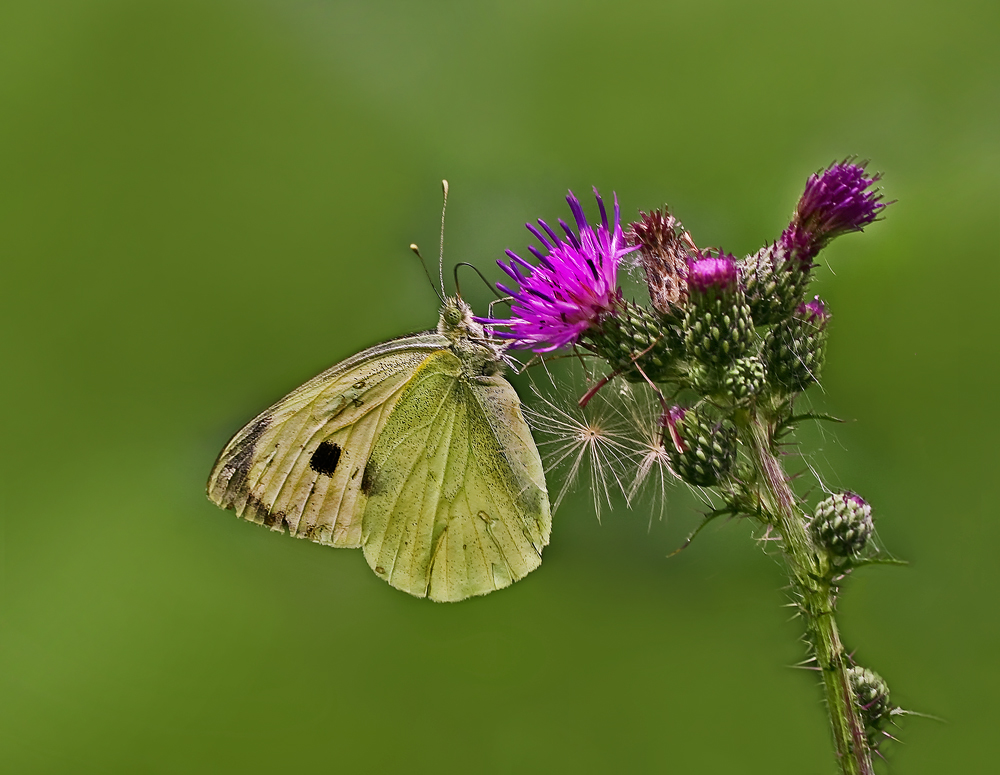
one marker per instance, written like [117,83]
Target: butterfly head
[456,321]
[479,352]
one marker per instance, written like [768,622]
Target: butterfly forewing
[456,495]
[299,465]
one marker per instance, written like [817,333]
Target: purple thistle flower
[836,201]
[574,285]
[814,311]
[713,274]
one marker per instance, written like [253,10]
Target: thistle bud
[871,693]
[717,327]
[795,349]
[632,339]
[663,252]
[775,280]
[842,524]
[701,450]
[745,378]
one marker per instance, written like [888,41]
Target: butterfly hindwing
[456,494]
[298,466]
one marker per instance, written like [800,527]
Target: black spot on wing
[324,460]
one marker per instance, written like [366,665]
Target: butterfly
[415,450]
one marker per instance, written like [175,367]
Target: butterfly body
[415,450]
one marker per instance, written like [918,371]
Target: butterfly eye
[451,315]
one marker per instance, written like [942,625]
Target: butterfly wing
[298,465]
[457,504]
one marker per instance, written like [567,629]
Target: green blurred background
[202,204]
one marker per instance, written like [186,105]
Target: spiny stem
[817,598]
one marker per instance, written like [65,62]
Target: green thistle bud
[745,378]
[843,524]
[634,336]
[718,328]
[775,280]
[795,349]
[871,693]
[703,450]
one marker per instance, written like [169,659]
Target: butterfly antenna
[427,271]
[444,208]
[481,277]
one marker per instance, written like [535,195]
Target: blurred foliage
[205,203]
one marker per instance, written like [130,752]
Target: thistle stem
[816,595]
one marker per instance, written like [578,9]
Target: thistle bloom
[573,287]
[836,201]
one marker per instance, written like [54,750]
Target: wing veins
[399,492]
[321,427]
[436,494]
[418,427]
[321,506]
[496,439]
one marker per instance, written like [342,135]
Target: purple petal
[600,204]
[552,234]
[570,234]
[573,286]
[578,214]
[539,237]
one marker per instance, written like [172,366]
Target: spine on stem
[811,582]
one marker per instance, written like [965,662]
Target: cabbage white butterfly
[415,450]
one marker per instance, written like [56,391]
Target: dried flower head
[664,249]
[573,287]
